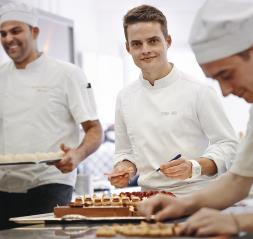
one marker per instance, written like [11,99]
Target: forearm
[208,166]
[244,222]
[92,139]
[224,192]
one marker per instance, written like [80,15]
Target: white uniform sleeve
[243,164]
[123,148]
[222,138]
[80,97]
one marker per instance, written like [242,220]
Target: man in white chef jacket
[222,40]
[166,113]
[43,102]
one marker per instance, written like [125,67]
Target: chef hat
[222,28]
[19,12]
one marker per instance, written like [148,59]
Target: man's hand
[162,206]
[207,222]
[177,169]
[121,174]
[70,160]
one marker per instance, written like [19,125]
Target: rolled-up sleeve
[215,124]
[123,147]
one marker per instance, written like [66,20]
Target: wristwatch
[196,168]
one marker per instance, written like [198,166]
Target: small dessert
[88,201]
[125,201]
[97,202]
[116,201]
[106,201]
[135,200]
[77,203]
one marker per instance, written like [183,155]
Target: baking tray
[50,218]
[30,162]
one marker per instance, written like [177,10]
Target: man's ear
[169,40]
[127,47]
[35,31]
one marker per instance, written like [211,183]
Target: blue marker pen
[176,157]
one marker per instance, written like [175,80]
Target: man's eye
[227,76]
[135,44]
[153,41]
[15,31]
[3,34]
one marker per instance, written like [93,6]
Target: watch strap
[196,168]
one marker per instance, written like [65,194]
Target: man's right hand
[121,174]
[162,207]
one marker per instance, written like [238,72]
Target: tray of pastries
[30,158]
[122,205]
[103,206]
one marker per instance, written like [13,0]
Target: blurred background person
[43,104]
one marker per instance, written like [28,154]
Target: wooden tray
[100,211]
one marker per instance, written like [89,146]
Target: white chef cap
[19,12]
[222,28]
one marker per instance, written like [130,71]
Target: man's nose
[145,48]
[226,88]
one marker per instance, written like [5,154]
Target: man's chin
[16,59]
[13,56]
[147,65]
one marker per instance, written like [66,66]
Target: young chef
[165,113]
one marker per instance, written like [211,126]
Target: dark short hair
[145,13]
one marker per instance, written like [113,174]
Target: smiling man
[222,40]
[165,113]
[43,103]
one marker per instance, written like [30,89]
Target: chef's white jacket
[176,115]
[41,107]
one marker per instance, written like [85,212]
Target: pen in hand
[176,157]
